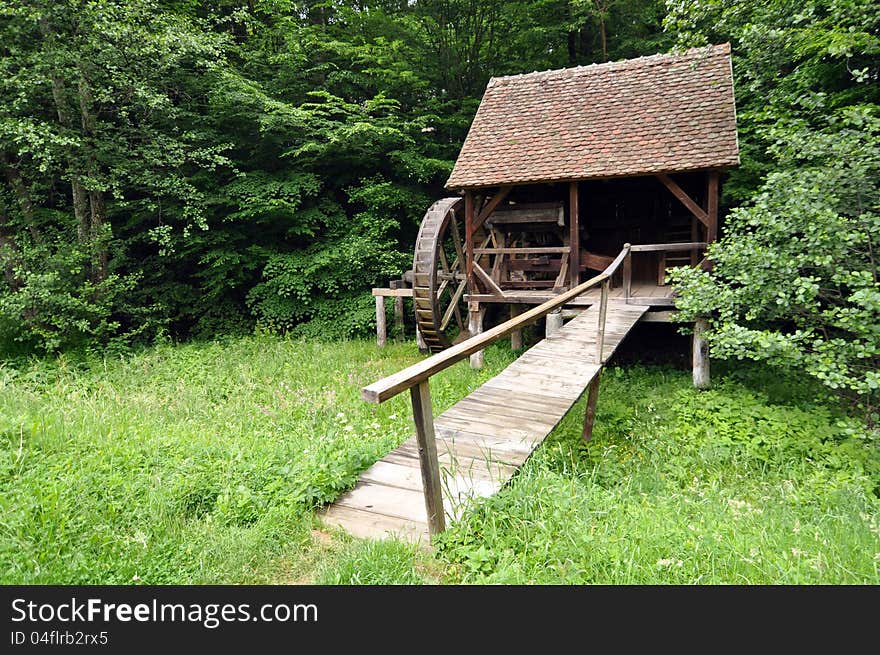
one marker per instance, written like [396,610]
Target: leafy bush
[49,302]
[795,281]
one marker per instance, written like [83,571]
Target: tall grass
[203,463]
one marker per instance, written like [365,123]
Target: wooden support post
[701,355]
[469,219]
[423,417]
[712,208]
[516,337]
[553,323]
[574,235]
[600,333]
[398,315]
[627,275]
[661,269]
[590,416]
[475,327]
[420,341]
[381,328]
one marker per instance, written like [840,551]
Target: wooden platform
[643,293]
[484,438]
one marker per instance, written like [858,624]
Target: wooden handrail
[388,387]
[668,247]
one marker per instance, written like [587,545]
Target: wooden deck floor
[484,438]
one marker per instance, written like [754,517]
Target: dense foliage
[795,281]
[191,168]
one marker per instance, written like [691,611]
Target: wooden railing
[416,379]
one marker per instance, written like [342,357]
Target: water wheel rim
[433,273]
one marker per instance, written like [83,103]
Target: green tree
[92,122]
[794,281]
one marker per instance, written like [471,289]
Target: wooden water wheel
[439,279]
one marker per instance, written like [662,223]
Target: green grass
[203,463]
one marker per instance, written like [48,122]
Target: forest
[176,175]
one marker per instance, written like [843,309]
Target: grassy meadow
[204,463]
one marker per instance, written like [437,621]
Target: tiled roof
[663,113]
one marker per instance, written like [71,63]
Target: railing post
[627,274]
[431,483]
[603,310]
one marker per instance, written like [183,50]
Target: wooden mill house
[576,190]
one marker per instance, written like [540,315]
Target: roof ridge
[621,64]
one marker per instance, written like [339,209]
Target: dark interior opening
[612,212]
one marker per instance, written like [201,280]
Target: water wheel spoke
[453,307]
[456,240]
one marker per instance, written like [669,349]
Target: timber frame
[482,203]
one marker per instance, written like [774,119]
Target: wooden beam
[685,199]
[712,207]
[590,415]
[537,250]
[574,234]
[394,293]
[662,316]
[487,280]
[489,208]
[469,240]
[423,417]
[668,247]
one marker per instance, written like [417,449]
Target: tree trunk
[96,197]
[101,257]
[78,191]
[572,48]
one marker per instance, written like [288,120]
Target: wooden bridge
[475,447]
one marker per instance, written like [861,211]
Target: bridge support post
[399,324]
[381,327]
[516,337]
[590,416]
[554,323]
[700,360]
[475,327]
